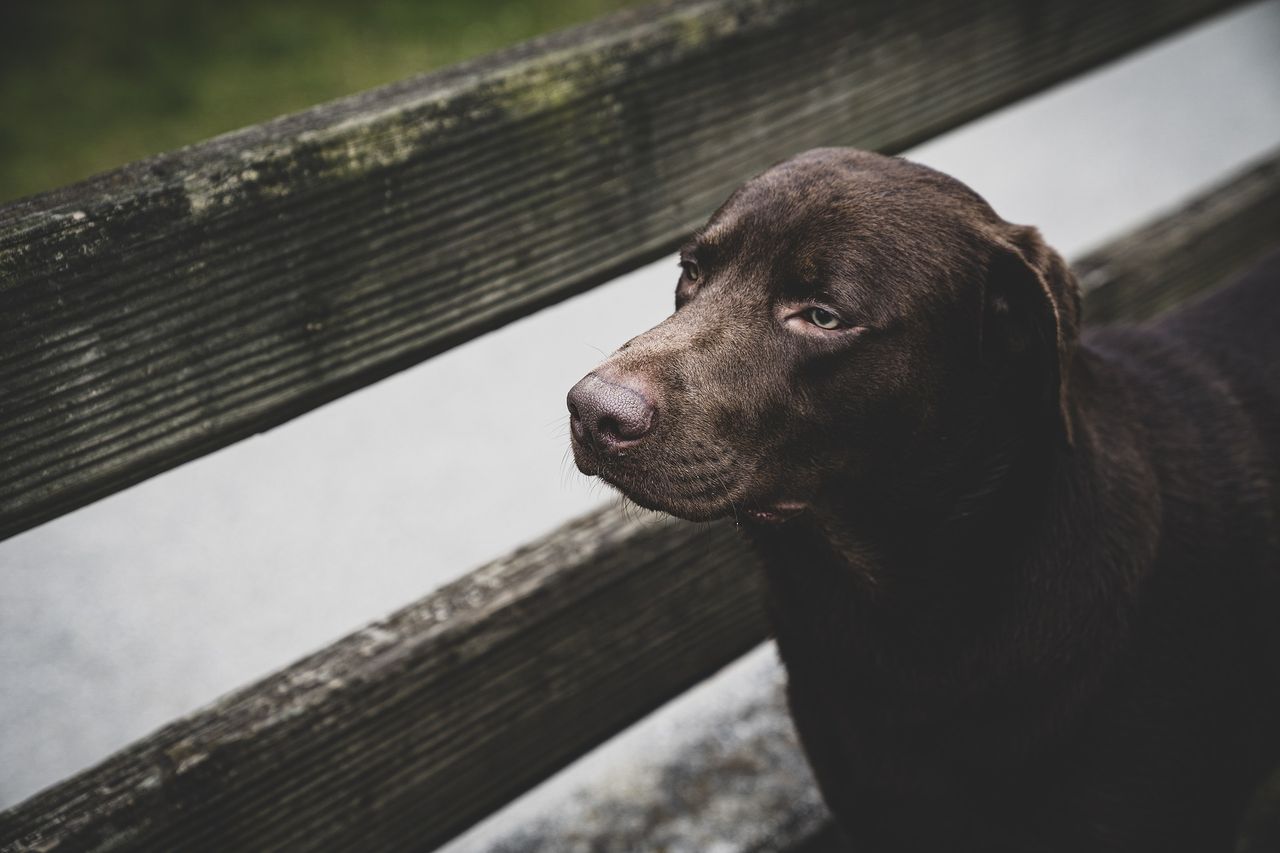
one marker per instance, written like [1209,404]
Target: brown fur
[1025,582]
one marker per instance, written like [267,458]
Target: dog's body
[1026,585]
[1094,665]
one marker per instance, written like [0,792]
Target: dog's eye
[822,318]
[691,270]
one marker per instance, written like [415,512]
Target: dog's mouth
[700,487]
[691,499]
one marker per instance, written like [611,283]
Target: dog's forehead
[840,215]
[772,221]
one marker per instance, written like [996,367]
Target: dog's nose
[608,415]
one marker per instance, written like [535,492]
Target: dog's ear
[1031,316]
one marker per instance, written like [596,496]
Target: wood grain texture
[724,775]
[406,732]
[156,313]
[403,734]
[1219,234]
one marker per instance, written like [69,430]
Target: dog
[1024,579]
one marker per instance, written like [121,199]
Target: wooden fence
[156,313]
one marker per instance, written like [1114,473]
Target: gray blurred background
[152,602]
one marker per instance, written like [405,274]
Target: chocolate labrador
[1025,582]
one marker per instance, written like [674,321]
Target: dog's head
[844,317]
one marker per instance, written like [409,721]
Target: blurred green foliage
[86,85]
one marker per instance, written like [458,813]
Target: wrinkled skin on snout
[814,346]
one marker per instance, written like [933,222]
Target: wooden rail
[1215,236]
[158,312]
[406,732]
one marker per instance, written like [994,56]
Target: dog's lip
[584,457]
[592,463]
[764,511]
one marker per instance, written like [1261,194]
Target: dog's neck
[936,568]
[911,577]
[952,498]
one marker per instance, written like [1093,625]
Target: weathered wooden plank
[406,732]
[722,770]
[156,313]
[1216,236]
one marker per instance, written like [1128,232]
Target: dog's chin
[765,513]
[640,488]
[689,510]
[769,514]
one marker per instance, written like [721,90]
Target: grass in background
[86,85]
